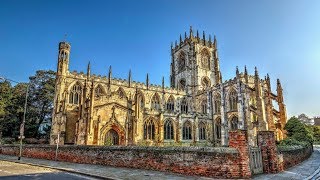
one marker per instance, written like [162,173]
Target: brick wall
[238,139]
[210,162]
[295,156]
[270,160]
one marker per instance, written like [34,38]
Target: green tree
[5,100]
[41,100]
[298,131]
[15,109]
[39,106]
[316,134]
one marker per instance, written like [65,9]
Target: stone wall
[295,155]
[211,162]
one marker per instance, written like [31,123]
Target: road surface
[11,170]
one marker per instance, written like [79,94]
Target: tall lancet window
[168,129]
[155,102]
[233,99]
[75,94]
[181,61]
[217,104]
[202,131]
[184,106]
[149,130]
[170,104]
[205,59]
[204,107]
[187,131]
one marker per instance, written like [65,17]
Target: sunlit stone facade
[197,109]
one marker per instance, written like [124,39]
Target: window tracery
[168,130]
[75,94]
[205,59]
[186,131]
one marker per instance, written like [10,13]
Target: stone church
[197,109]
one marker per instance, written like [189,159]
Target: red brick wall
[295,156]
[267,143]
[210,162]
[238,139]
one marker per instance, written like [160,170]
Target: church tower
[59,112]
[194,63]
[63,58]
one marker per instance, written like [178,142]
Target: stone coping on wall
[214,150]
[290,148]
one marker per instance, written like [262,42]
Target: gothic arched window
[98,91]
[155,102]
[181,61]
[217,104]
[184,106]
[204,107]
[234,123]
[149,130]
[202,131]
[168,129]
[75,94]
[170,104]
[182,84]
[186,131]
[218,128]
[205,59]
[233,99]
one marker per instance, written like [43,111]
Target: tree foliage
[39,104]
[297,131]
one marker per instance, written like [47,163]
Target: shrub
[8,140]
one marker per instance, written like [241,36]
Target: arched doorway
[112,138]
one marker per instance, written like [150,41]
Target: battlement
[124,82]
[64,45]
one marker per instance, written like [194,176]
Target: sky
[281,38]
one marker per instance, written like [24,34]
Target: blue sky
[281,38]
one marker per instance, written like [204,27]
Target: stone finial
[162,82]
[129,78]
[176,43]
[204,37]
[88,70]
[246,74]
[237,72]
[191,32]
[197,34]
[180,39]
[110,74]
[185,35]
[256,71]
[210,38]
[278,84]
[147,80]
[215,43]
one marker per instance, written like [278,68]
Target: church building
[198,108]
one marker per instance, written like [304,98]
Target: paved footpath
[101,172]
[308,169]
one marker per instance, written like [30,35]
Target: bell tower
[194,63]
[59,113]
[63,58]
